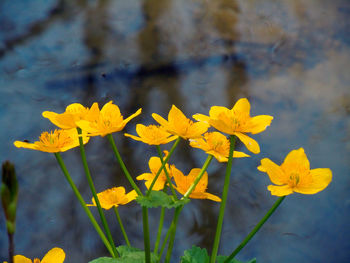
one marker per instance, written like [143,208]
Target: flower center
[294,179]
[36,260]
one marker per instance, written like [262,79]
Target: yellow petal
[26,145]
[212,197]
[259,123]
[133,137]
[280,190]
[237,154]
[55,255]
[197,129]
[201,117]
[250,143]
[222,125]
[160,119]
[273,170]
[242,106]
[321,178]
[138,112]
[175,115]
[216,111]
[296,160]
[21,259]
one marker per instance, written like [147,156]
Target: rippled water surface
[290,58]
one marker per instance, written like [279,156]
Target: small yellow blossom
[152,135]
[294,175]
[67,120]
[237,121]
[53,142]
[154,164]
[114,197]
[216,144]
[179,124]
[105,121]
[55,255]
[183,183]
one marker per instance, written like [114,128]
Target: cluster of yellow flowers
[294,175]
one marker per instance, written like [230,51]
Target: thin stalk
[166,173]
[83,204]
[199,176]
[11,247]
[121,226]
[122,165]
[223,201]
[173,232]
[160,227]
[255,229]
[146,234]
[166,239]
[163,164]
[93,190]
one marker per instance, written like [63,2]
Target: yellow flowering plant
[165,185]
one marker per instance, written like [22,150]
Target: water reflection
[286,57]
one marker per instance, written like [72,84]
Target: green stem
[122,165]
[199,176]
[93,190]
[83,204]
[256,229]
[166,173]
[173,232]
[223,202]
[166,239]
[11,247]
[163,164]
[160,227]
[146,235]
[121,226]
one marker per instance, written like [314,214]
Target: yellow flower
[114,197]
[106,121]
[55,255]
[216,144]
[67,119]
[183,183]
[53,142]
[152,135]
[237,121]
[179,124]
[154,164]
[294,175]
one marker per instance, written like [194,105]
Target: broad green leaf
[159,198]
[127,255]
[104,260]
[221,259]
[195,255]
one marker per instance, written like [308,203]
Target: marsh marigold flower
[67,120]
[179,124]
[55,255]
[114,197]
[183,183]
[54,141]
[105,121]
[294,175]
[152,135]
[237,121]
[154,164]
[216,144]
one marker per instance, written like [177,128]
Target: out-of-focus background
[289,58]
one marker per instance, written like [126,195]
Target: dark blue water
[290,59]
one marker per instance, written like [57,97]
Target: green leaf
[104,260]
[159,198]
[195,255]
[127,255]
[221,259]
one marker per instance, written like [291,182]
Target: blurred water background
[290,58]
